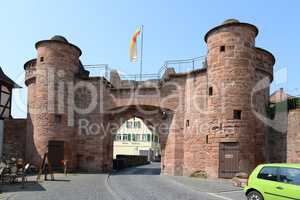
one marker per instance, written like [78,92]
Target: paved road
[145,183]
[139,183]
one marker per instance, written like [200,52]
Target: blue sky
[173,29]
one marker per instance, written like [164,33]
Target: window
[137,124]
[148,137]
[289,175]
[42,59]
[138,137]
[128,124]
[237,114]
[133,137]
[119,137]
[210,91]
[57,119]
[144,137]
[206,139]
[125,137]
[269,173]
[156,139]
[222,48]
[187,124]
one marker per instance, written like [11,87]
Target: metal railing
[97,70]
[180,66]
[140,77]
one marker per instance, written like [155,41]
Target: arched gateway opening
[136,140]
[156,119]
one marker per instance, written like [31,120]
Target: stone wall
[293,137]
[14,138]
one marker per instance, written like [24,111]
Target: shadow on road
[29,186]
[150,169]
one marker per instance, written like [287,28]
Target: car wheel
[253,195]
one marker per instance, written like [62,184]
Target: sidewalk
[206,185]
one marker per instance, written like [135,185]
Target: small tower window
[210,91]
[42,59]
[206,139]
[222,48]
[187,124]
[237,114]
[57,118]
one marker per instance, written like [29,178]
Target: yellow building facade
[135,138]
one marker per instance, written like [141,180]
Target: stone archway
[155,118]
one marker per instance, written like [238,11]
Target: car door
[289,186]
[267,181]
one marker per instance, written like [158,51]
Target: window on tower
[237,114]
[210,91]
[222,48]
[57,118]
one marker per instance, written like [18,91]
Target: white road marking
[232,191]
[110,190]
[218,196]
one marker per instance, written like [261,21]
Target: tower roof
[59,38]
[4,79]
[230,22]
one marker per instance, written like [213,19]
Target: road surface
[138,183]
[145,183]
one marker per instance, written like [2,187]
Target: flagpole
[142,44]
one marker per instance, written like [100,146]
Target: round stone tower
[50,80]
[232,75]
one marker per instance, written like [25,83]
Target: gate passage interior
[229,159]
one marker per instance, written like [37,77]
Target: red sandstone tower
[48,79]
[235,66]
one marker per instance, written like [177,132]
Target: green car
[274,182]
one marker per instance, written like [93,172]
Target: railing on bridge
[140,77]
[180,66]
[97,70]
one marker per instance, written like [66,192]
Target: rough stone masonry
[209,119]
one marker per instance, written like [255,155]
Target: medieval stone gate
[195,111]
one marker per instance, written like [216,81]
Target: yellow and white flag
[133,46]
